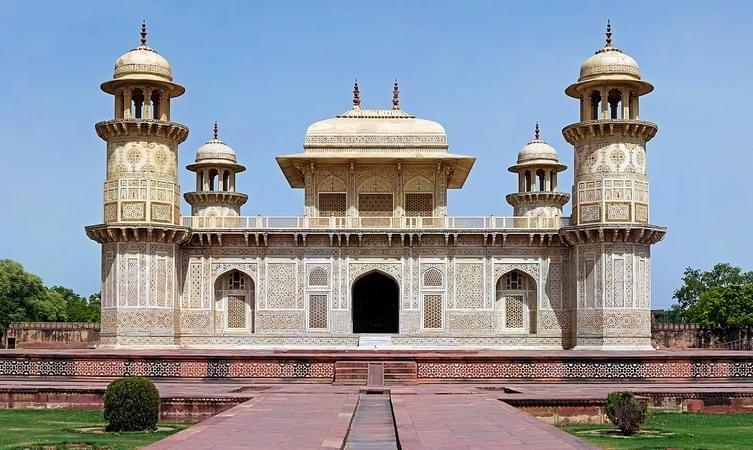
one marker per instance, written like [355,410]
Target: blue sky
[486,70]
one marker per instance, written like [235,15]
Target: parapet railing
[380,222]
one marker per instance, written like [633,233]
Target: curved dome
[609,62]
[377,128]
[143,62]
[214,150]
[537,151]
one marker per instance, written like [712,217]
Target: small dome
[609,62]
[141,63]
[215,149]
[537,151]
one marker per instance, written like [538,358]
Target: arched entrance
[515,305]
[376,304]
[234,297]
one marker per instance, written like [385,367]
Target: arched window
[433,278]
[155,105]
[318,277]
[234,292]
[516,303]
[528,181]
[226,181]
[137,103]
[615,101]
[541,180]
[595,103]
[213,176]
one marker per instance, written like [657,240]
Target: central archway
[376,304]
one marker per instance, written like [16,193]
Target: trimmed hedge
[131,404]
[625,411]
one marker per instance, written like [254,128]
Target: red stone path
[318,417]
[276,421]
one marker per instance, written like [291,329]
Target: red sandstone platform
[395,366]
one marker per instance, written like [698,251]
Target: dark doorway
[376,304]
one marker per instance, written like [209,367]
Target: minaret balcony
[538,197]
[215,198]
[109,129]
[594,129]
[490,223]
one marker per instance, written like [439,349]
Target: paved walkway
[473,422]
[324,417]
[275,421]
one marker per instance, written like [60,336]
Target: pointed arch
[375,302]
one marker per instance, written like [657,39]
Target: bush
[131,404]
[625,411]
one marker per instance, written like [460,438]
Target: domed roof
[537,153]
[378,129]
[609,63]
[215,149]
[143,63]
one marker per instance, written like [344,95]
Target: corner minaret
[216,167]
[609,229]
[537,169]
[141,229]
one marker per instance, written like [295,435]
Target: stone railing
[386,222]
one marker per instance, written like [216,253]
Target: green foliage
[25,298]
[78,308]
[677,430]
[61,429]
[131,404]
[728,307]
[697,283]
[625,411]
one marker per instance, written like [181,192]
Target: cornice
[109,129]
[594,129]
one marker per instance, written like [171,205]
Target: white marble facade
[375,250]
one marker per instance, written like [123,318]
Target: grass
[35,428]
[679,430]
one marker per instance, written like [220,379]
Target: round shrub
[625,411]
[131,404]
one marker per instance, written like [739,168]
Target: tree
[697,282]
[78,308]
[23,297]
[727,307]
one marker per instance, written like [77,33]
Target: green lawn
[34,428]
[676,430]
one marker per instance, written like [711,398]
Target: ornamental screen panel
[318,311]
[515,311]
[432,278]
[318,277]
[236,311]
[332,204]
[370,205]
[433,311]
[419,205]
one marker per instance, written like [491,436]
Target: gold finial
[143,33]
[395,95]
[356,94]
[609,34]
[216,130]
[537,132]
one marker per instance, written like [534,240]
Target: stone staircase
[376,373]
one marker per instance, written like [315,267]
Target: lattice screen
[433,278]
[419,205]
[433,311]
[236,311]
[318,277]
[332,204]
[514,311]
[318,311]
[375,204]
